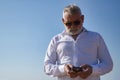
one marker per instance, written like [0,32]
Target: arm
[50,66]
[105,62]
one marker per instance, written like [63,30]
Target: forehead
[69,17]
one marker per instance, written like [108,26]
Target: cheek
[79,27]
[67,28]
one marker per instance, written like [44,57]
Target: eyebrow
[73,21]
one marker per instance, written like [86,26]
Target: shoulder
[57,37]
[93,34]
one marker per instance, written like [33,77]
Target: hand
[68,70]
[86,71]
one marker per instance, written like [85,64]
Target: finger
[85,67]
[82,75]
[70,66]
[73,76]
[88,68]
[66,68]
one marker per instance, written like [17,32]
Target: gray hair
[72,9]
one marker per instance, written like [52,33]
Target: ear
[82,18]
[62,20]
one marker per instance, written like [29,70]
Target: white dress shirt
[88,48]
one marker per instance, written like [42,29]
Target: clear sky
[27,26]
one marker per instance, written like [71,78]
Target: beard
[73,31]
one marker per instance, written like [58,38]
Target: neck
[75,36]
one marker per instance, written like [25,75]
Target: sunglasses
[76,23]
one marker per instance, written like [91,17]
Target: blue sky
[27,26]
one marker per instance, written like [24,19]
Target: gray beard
[73,33]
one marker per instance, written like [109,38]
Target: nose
[73,25]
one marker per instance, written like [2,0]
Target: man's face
[73,23]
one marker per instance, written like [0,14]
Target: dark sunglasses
[76,23]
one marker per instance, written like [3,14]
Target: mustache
[72,30]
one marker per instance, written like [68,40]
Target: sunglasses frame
[76,23]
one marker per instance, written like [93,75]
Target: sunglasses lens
[76,23]
[68,24]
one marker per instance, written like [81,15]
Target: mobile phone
[77,69]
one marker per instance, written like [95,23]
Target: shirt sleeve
[105,64]
[50,66]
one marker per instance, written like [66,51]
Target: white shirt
[88,48]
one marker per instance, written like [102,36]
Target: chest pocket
[65,48]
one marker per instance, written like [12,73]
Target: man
[76,53]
